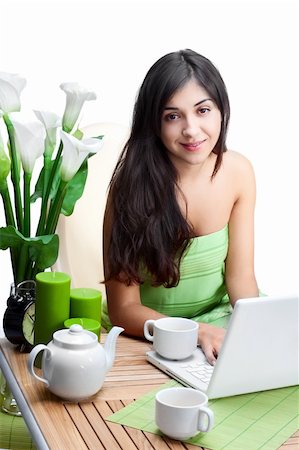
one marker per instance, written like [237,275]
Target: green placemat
[14,433]
[262,420]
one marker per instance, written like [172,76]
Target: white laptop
[259,351]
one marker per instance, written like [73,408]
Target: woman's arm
[239,269]
[125,308]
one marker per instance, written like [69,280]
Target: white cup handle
[210,415]
[32,355]
[148,324]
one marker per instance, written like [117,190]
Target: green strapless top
[201,293]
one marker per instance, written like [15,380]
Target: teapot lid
[75,336]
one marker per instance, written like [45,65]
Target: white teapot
[74,363]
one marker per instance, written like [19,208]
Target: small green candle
[87,324]
[52,304]
[86,302]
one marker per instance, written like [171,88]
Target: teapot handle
[32,355]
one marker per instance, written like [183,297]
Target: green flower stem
[66,128]
[29,271]
[14,259]
[33,272]
[9,215]
[15,174]
[55,208]
[10,220]
[27,219]
[43,216]
[47,165]
[22,264]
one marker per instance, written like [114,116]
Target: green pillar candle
[52,304]
[87,324]
[86,302]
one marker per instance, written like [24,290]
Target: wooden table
[56,424]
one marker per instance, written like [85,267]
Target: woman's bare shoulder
[237,163]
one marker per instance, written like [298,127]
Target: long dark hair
[149,233]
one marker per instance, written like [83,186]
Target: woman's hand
[210,339]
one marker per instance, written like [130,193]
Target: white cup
[181,413]
[172,337]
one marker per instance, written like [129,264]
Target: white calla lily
[30,142]
[51,122]
[75,152]
[76,95]
[11,86]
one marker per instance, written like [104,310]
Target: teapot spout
[110,345]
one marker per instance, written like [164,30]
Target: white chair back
[80,235]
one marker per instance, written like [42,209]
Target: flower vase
[18,326]
[7,402]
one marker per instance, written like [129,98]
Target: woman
[179,222]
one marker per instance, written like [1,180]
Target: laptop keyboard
[200,370]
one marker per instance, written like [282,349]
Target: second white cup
[172,337]
[181,413]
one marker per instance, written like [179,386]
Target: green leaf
[10,238]
[43,250]
[40,182]
[74,190]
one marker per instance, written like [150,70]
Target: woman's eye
[171,117]
[204,110]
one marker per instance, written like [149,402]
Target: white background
[109,46]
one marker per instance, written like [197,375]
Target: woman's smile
[193,146]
